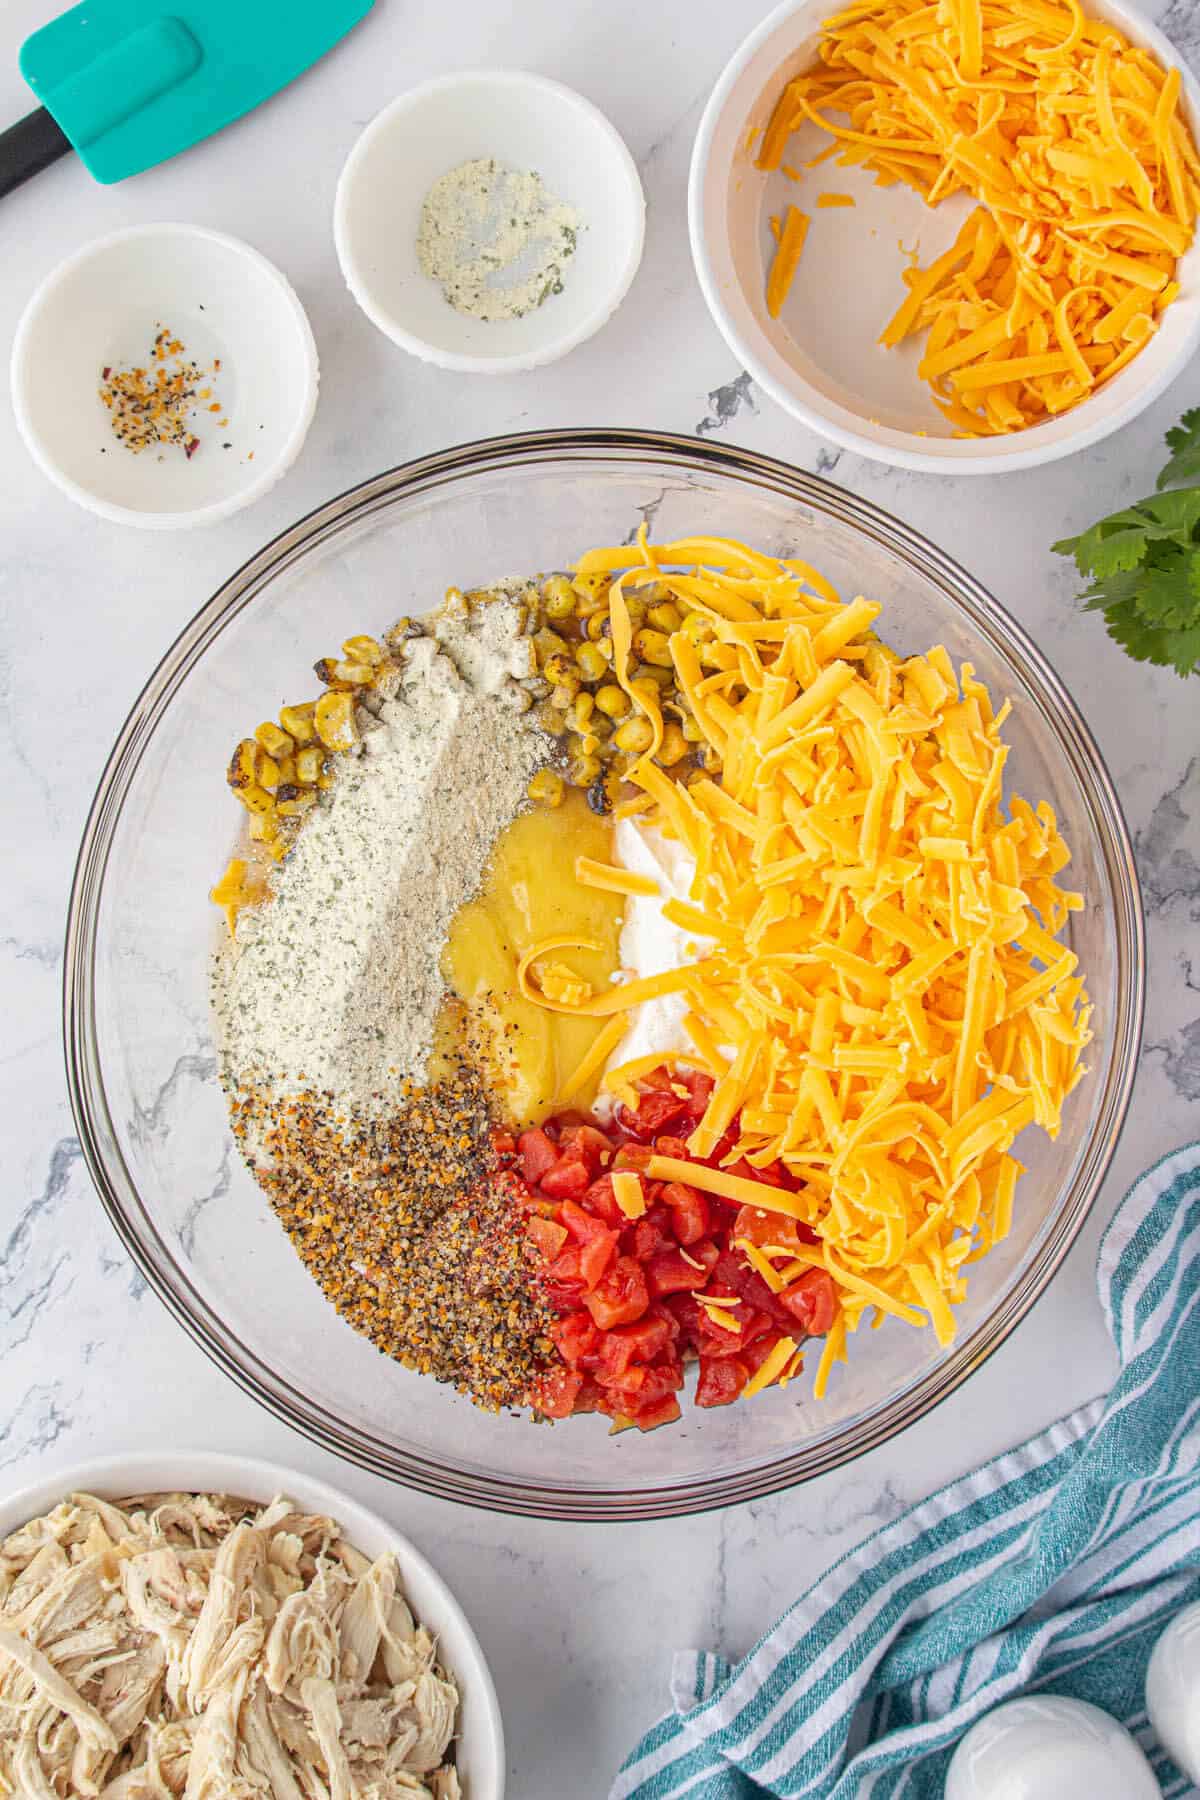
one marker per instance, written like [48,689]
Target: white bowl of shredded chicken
[217,1628]
[886,323]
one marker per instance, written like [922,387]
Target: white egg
[1173,1690]
[1044,1747]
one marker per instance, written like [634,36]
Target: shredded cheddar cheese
[772,1367]
[628,1193]
[597,1054]
[611,879]
[1087,177]
[883,998]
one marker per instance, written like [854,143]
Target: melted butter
[530,893]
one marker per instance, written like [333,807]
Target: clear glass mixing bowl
[141,1069]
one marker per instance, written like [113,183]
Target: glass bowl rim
[118,1192]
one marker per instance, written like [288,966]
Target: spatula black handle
[28,147]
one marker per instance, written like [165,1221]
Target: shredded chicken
[193,1647]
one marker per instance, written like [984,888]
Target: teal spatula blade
[133,82]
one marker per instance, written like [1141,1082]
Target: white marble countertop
[578,1623]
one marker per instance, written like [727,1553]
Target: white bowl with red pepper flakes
[165,376]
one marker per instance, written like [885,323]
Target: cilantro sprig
[1143,563]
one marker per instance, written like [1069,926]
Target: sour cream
[650,944]
[1046,1747]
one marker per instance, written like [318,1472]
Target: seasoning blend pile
[156,406]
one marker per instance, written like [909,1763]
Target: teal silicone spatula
[129,83]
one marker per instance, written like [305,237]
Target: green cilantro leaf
[1184,442]
[1142,563]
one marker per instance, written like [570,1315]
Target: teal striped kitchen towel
[1053,1568]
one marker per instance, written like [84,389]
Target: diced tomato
[563,1279]
[591,1143]
[504,1143]
[621,1297]
[732,1274]
[700,1087]
[650,1417]
[548,1237]
[569,1177]
[601,1200]
[650,1234]
[762,1227]
[655,1112]
[639,1343]
[583,1226]
[721,1380]
[642,1387]
[565,1266]
[670,1272]
[810,1300]
[538,1154]
[658,1081]
[627,1289]
[595,1257]
[558,1392]
[576,1338]
[689,1211]
[672,1146]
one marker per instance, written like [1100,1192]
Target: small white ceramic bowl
[526,122]
[480,1739]
[103,307]
[821,359]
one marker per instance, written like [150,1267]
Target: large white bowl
[480,1752]
[821,359]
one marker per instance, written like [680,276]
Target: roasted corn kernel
[298,801]
[652,647]
[547,787]
[240,773]
[673,746]
[635,734]
[309,763]
[612,700]
[366,650]
[547,644]
[335,722]
[297,721]
[275,742]
[561,672]
[583,770]
[593,665]
[582,709]
[559,598]
[256,799]
[266,770]
[664,617]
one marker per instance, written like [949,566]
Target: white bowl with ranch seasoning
[587,190]
[479,1734]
